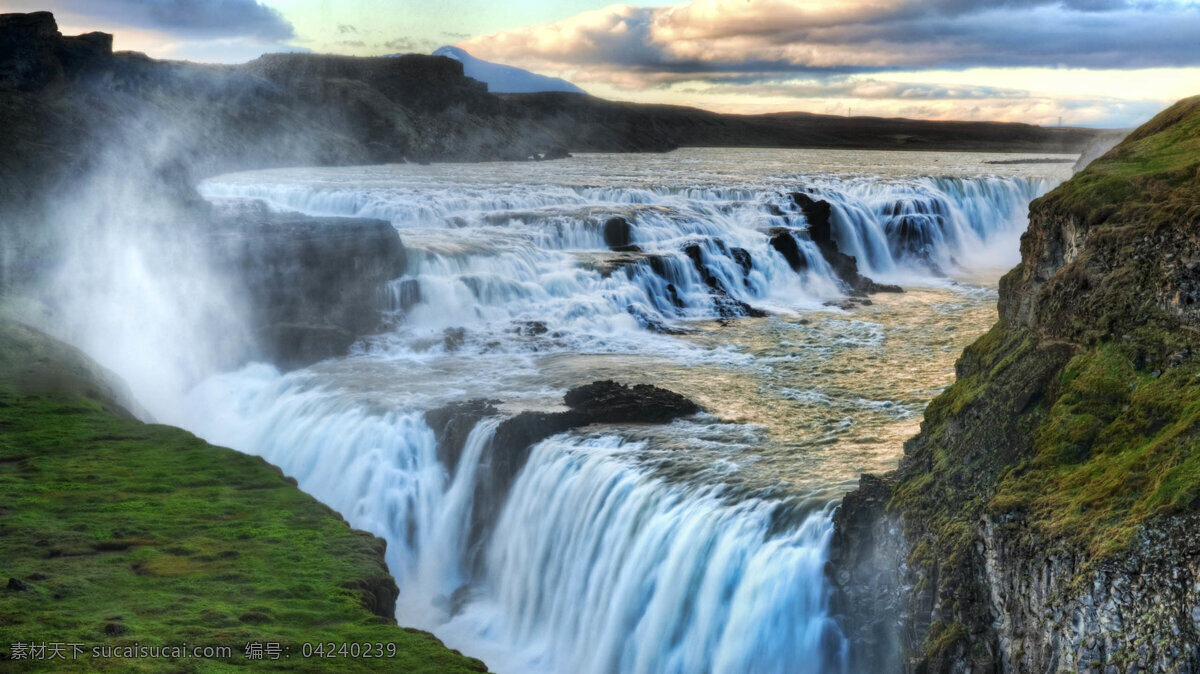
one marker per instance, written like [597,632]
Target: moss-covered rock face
[1117,248]
[115,533]
[1047,500]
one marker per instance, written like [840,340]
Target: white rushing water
[698,546]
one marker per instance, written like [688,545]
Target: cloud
[781,36]
[842,87]
[408,45]
[188,19]
[824,56]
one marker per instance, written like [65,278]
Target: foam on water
[693,547]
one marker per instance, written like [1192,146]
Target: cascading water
[595,564]
[624,572]
[697,546]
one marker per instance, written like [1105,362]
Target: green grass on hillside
[1120,445]
[124,533]
[1145,178]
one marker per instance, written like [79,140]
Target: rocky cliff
[311,285]
[1045,518]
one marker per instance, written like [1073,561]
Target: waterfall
[616,549]
[594,565]
[608,568]
[493,256]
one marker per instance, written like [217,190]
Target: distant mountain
[502,79]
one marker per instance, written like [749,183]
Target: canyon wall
[1045,517]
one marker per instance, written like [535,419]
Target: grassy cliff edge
[115,533]
[1051,499]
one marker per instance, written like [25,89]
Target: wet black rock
[558,152]
[408,294]
[453,338]
[599,402]
[818,213]
[866,558]
[651,322]
[725,305]
[742,257]
[295,345]
[784,241]
[453,423]
[610,402]
[618,233]
[532,328]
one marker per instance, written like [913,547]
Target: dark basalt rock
[532,328]
[673,292]
[818,214]
[312,284]
[598,402]
[866,555]
[27,51]
[726,306]
[453,423]
[820,230]
[784,241]
[295,345]
[408,294]
[79,53]
[554,153]
[658,265]
[453,338]
[742,257]
[34,55]
[618,233]
[652,322]
[610,402]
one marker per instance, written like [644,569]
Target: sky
[1100,63]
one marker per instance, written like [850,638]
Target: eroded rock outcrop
[725,304]
[818,214]
[312,284]
[1048,506]
[600,402]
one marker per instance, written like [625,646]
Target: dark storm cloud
[187,18]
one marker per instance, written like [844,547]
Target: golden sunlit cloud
[1101,63]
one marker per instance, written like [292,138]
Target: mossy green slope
[121,533]
[1076,420]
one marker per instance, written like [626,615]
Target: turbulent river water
[696,546]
